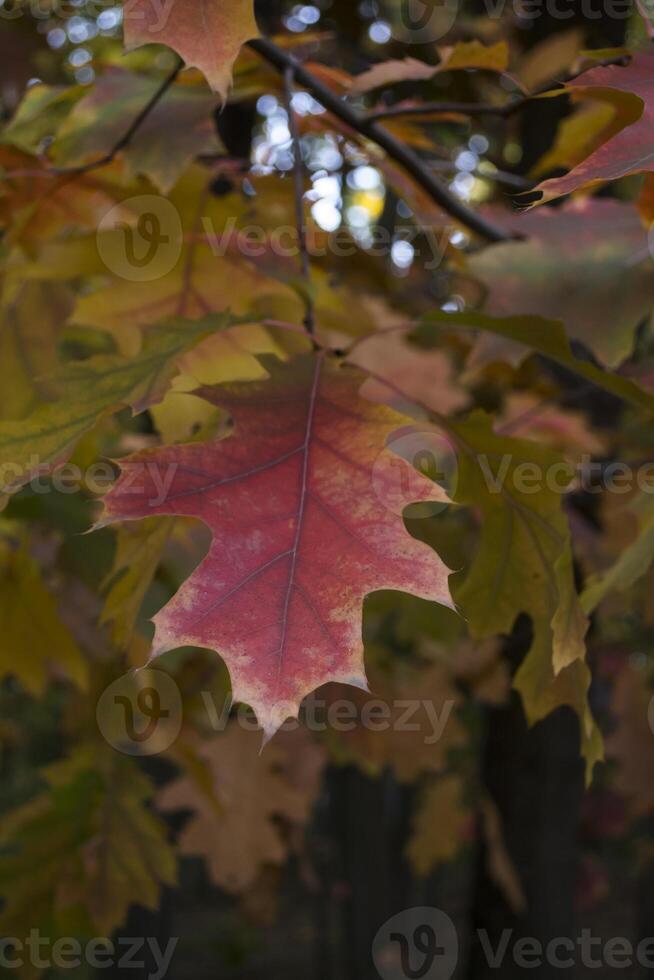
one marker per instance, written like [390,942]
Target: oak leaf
[586,263]
[634,560]
[89,389]
[179,128]
[466,54]
[531,333]
[301,533]
[524,564]
[138,553]
[84,851]
[627,147]
[442,825]
[240,799]
[35,644]
[207,34]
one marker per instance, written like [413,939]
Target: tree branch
[486,108]
[298,173]
[438,108]
[405,156]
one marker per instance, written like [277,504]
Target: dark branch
[439,108]
[298,171]
[405,156]
[485,108]
[129,133]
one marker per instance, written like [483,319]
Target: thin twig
[486,108]
[397,150]
[298,176]
[500,176]
[129,133]
[442,108]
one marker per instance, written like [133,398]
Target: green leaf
[34,642]
[138,552]
[42,110]
[632,564]
[80,854]
[179,128]
[524,565]
[92,388]
[546,337]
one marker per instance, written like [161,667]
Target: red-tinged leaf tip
[628,147]
[302,532]
[207,34]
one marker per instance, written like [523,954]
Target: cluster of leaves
[270,406]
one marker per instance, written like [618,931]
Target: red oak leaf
[302,503]
[207,34]
[628,149]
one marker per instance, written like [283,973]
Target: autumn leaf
[88,390]
[35,644]
[80,854]
[427,375]
[300,534]
[467,54]
[41,111]
[442,825]
[628,147]
[528,416]
[536,334]
[377,733]
[524,564]
[207,36]
[586,128]
[633,562]
[587,264]
[236,814]
[138,554]
[179,128]
[549,58]
[31,321]
[37,205]
[210,274]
